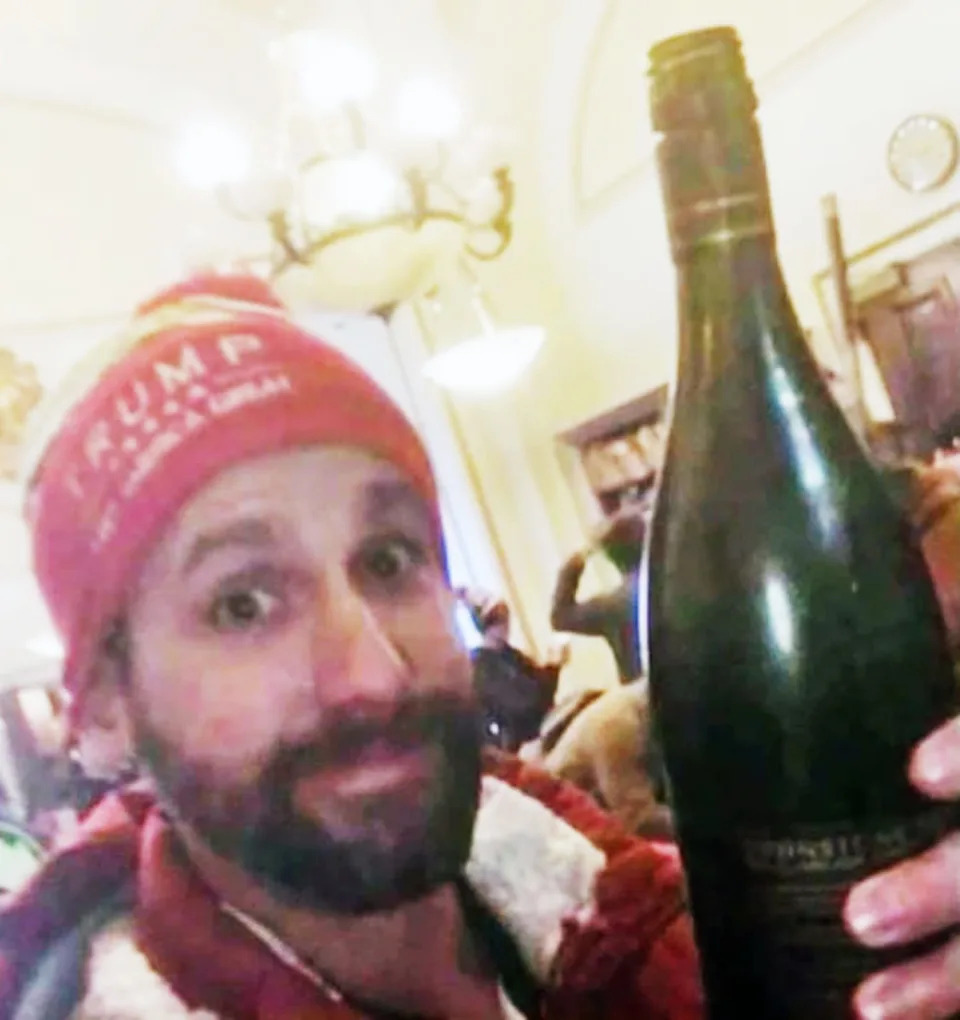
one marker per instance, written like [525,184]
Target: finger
[935,764]
[915,898]
[924,989]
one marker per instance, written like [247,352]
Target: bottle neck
[741,349]
[714,182]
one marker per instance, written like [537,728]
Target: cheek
[429,638]
[224,709]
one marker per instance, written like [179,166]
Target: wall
[827,111]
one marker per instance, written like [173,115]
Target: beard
[353,855]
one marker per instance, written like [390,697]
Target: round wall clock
[922,153]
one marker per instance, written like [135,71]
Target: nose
[354,658]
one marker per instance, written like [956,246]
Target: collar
[291,959]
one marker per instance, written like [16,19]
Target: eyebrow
[383,501]
[249,532]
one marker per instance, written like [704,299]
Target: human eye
[391,559]
[244,604]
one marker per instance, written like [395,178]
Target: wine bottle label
[768,913]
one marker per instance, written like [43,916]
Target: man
[238,537]
[612,615]
[515,693]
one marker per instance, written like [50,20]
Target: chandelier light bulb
[331,72]
[212,153]
[426,108]
[357,188]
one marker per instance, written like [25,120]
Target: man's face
[296,686]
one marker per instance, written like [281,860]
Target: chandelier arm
[505,187]
[504,237]
[500,224]
[316,245]
[280,231]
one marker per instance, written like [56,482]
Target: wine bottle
[796,651]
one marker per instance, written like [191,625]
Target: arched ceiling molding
[613,148]
[107,117]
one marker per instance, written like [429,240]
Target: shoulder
[608,904]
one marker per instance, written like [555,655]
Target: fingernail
[928,764]
[939,755]
[871,1002]
[872,913]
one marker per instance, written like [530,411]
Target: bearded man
[238,535]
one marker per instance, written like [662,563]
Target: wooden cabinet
[621,450]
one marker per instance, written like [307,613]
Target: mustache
[406,725]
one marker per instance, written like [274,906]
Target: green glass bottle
[796,649]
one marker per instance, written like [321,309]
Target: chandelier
[365,196]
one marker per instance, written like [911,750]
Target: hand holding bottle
[916,898]
[922,895]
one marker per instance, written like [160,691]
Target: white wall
[827,114]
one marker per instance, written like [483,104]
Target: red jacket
[597,917]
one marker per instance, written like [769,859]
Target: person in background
[930,494]
[921,896]
[606,750]
[514,691]
[319,833]
[612,615]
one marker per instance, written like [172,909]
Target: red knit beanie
[216,374]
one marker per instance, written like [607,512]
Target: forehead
[339,487]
